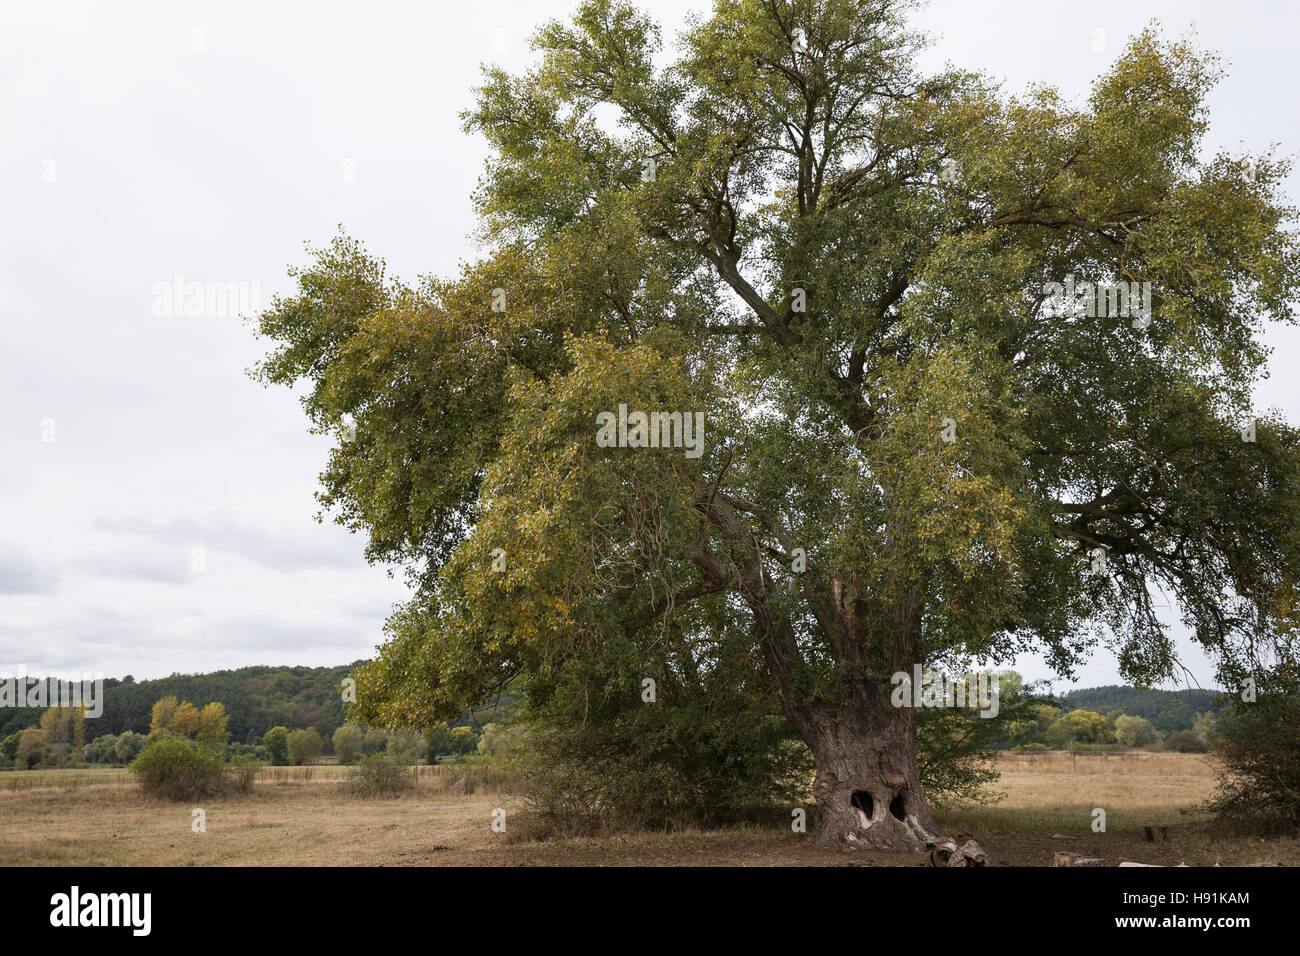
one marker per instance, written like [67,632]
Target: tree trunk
[868,787]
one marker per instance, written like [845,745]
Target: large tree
[912,454]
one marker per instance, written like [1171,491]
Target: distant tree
[437,740]
[212,729]
[1134,731]
[462,740]
[1082,726]
[65,725]
[1204,726]
[491,738]
[103,749]
[1113,715]
[128,747]
[276,741]
[375,741]
[1030,726]
[161,715]
[9,747]
[32,748]
[1185,742]
[184,720]
[403,744]
[1177,716]
[254,752]
[348,740]
[304,746]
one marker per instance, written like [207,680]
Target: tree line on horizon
[304,718]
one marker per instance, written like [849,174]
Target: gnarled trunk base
[868,788]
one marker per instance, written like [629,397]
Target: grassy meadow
[308,816]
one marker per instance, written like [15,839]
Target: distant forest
[1168,710]
[256,699]
[259,698]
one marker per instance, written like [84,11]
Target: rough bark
[868,787]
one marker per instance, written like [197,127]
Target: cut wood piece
[1126,863]
[971,854]
[941,853]
[948,853]
[1061,858]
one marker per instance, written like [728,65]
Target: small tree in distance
[1134,731]
[304,746]
[348,740]
[276,742]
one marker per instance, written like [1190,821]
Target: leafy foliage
[347,743]
[276,742]
[175,768]
[303,746]
[1257,750]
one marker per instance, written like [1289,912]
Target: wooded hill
[1168,710]
[256,699]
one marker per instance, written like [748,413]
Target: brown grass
[306,816]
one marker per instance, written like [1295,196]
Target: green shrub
[304,747]
[1257,755]
[1134,731]
[380,775]
[276,742]
[404,744]
[1185,742]
[348,741]
[256,751]
[174,768]
[103,749]
[129,745]
[32,749]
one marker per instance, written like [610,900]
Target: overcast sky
[156,509]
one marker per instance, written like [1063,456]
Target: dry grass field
[307,816]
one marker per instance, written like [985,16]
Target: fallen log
[948,853]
